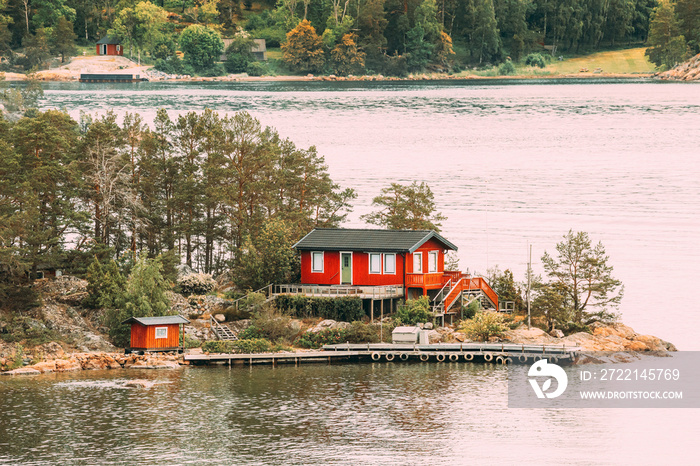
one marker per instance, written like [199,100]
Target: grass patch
[627,61]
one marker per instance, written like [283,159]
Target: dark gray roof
[163,320]
[109,40]
[346,239]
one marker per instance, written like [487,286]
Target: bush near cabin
[345,309]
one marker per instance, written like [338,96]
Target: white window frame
[386,269]
[375,254]
[435,263]
[119,47]
[313,262]
[163,331]
[418,255]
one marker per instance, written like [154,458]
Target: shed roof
[370,240]
[109,40]
[163,320]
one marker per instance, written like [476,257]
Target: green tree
[63,39]
[688,13]
[143,296]
[667,45]
[269,258]
[303,50]
[46,182]
[238,54]
[202,46]
[36,48]
[140,26]
[485,40]
[415,311]
[346,58]
[550,305]
[47,13]
[405,208]
[106,285]
[371,22]
[582,272]
[503,283]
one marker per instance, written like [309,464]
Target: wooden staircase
[222,331]
[459,285]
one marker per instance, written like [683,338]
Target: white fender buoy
[389,356]
[468,356]
[424,357]
[376,356]
[440,357]
[403,356]
[454,357]
[522,358]
[488,357]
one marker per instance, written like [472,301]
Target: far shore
[52,77]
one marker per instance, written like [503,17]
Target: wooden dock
[494,353]
[110,78]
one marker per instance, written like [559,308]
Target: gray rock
[428,325]
[434,336]
[220,317]
[342,325]
[556,333]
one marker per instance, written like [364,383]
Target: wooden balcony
[336,291]
[427,280]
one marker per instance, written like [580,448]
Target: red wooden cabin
[109,45]
[155,333]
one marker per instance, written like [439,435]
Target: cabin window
[161,332]
[390,263]
[417,262]
[375,263]
[317,262]
[119,48]
[432,261]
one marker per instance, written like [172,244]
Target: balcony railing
[425,279]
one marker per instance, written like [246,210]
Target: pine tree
[405,208]
[63,39]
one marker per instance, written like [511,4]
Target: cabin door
[346,268]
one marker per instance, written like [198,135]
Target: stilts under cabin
[156,333]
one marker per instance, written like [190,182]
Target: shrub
[191,342]
[237,62]
[254,345]
[327,336]
[346,309]
[360,332]
[257,69]
[506,69]
[415,311]
[170,65]
[483,326]
[536,59]
[471,309]
[196,283]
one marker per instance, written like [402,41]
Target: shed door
[346,268]
[103,49]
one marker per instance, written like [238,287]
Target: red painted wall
[430,245]
[144,336]
[111,49]
[360,270]
[360,267]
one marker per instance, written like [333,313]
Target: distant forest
[390,36]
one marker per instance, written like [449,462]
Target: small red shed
[109,45]
[155,333]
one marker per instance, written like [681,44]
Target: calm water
[510,164]
[374,414]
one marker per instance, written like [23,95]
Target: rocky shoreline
[687,71]
[616,343]
[100,361]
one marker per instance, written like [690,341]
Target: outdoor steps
[222,331]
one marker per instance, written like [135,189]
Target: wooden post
[371,310]
[381,322]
